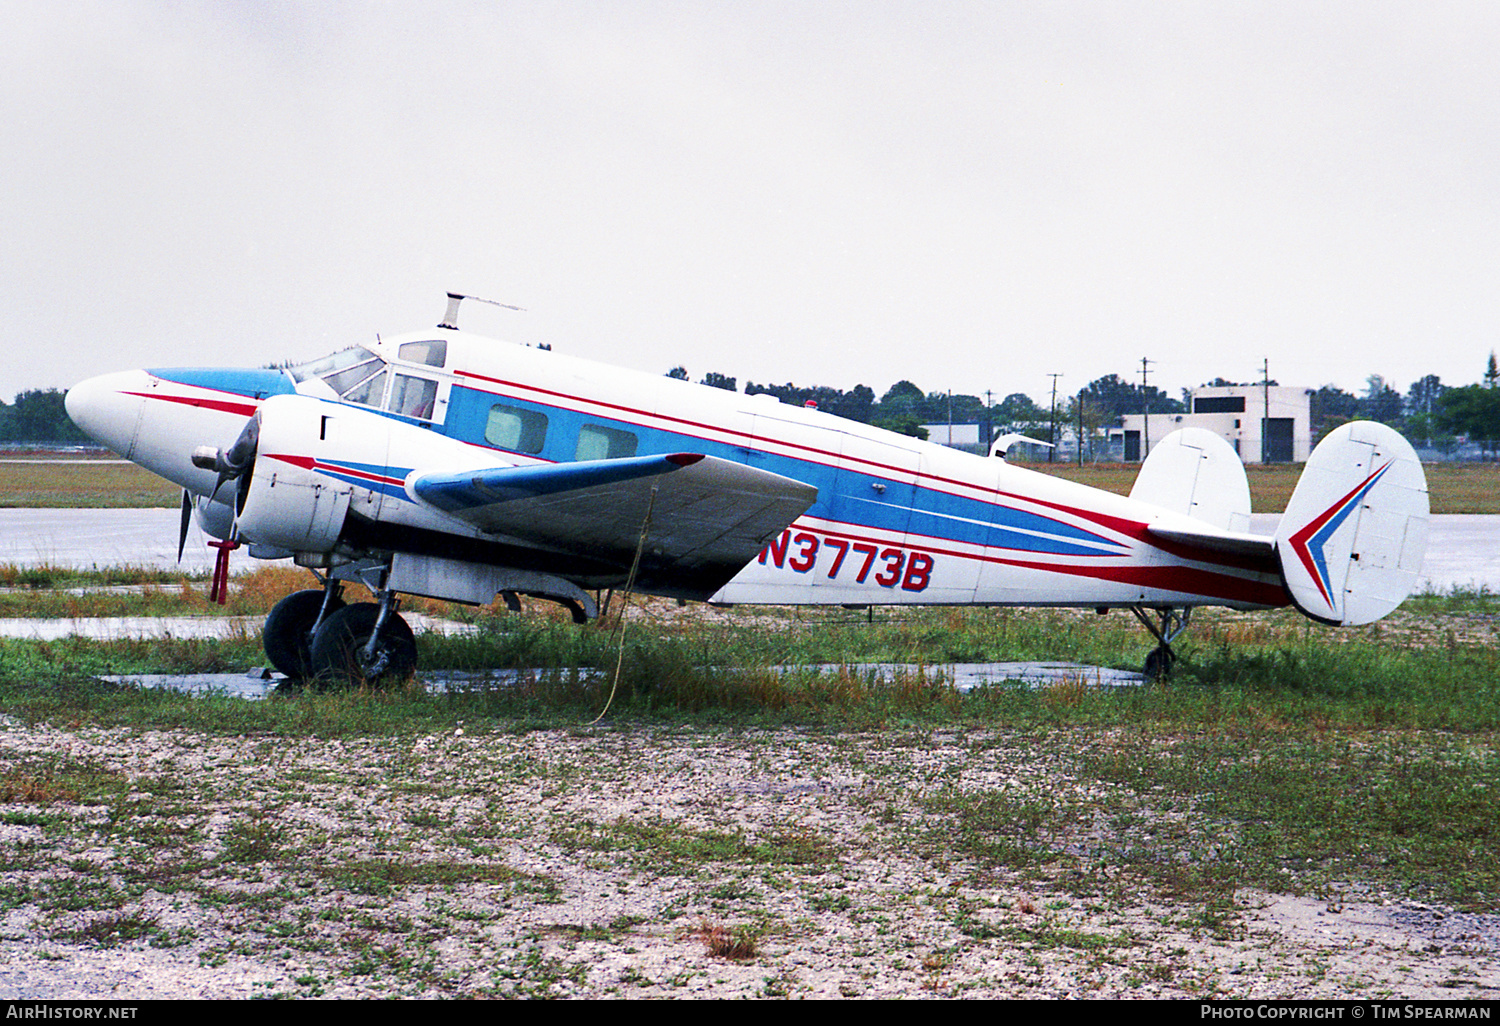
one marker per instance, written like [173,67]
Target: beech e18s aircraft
[448,465]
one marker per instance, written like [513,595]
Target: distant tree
[1474,411]
[1117,397]
[902,424]
[716,380]
[1492,372]
[1329,407]
[902,393]
[1423,395]
[1380,402]
[1088,419]
[1018,409]
[856,404]
[680,373]
[39,416]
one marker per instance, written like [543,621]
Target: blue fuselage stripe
[845,496]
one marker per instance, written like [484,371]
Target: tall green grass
[773,666]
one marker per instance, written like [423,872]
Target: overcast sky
[968,195]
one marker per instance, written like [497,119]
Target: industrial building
[1264,423]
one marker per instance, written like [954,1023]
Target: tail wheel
[342,656]
[1159,663]
[288,632]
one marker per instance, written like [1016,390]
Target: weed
[737,943]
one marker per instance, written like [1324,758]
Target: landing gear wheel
[1159,663]
[339,656]
[287,635]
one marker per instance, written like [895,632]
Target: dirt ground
[634,863]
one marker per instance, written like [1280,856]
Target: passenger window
[510,427]
[433,353]
[413,397]
[596,442]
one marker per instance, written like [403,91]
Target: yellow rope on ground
[635,565]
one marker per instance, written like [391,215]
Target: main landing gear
[313,636]
[1169,625]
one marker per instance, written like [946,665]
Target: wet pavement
[965,677]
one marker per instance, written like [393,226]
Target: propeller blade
[187,518]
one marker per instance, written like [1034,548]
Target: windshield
[357,375]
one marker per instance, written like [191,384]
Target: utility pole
[1052,427]
[1265,414]
[1080,429]
[1145,412]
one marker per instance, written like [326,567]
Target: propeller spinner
[231,464]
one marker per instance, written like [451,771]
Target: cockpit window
[433,353]
[357,375]
[369,391]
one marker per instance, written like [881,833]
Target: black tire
[287,635]
[1159,664]
[338,650]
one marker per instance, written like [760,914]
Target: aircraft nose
[107,408]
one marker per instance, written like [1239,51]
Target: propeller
[234,463]
[187,519]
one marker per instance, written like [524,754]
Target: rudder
[1353,535]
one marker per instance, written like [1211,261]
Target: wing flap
[709,516]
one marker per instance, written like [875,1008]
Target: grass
[86,484]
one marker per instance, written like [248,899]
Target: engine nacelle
[215,519]
[287,502]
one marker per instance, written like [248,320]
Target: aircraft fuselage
[895,521]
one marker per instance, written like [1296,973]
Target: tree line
[38,416]
[1429,413]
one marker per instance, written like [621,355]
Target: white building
[1280,433]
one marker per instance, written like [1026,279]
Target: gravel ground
[630,862]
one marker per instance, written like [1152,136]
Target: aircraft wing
[709,516]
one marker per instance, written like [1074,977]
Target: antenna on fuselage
[450,319]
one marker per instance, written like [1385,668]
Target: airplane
[448,465]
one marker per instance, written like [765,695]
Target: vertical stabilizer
[1354,533]
[1196,473]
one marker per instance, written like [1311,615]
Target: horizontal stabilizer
[708,516]
[1228,543]
[1354,533]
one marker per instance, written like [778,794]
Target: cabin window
[510,427]
[413,397]
[432,353]
[597,442]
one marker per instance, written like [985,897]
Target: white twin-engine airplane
[457,467]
